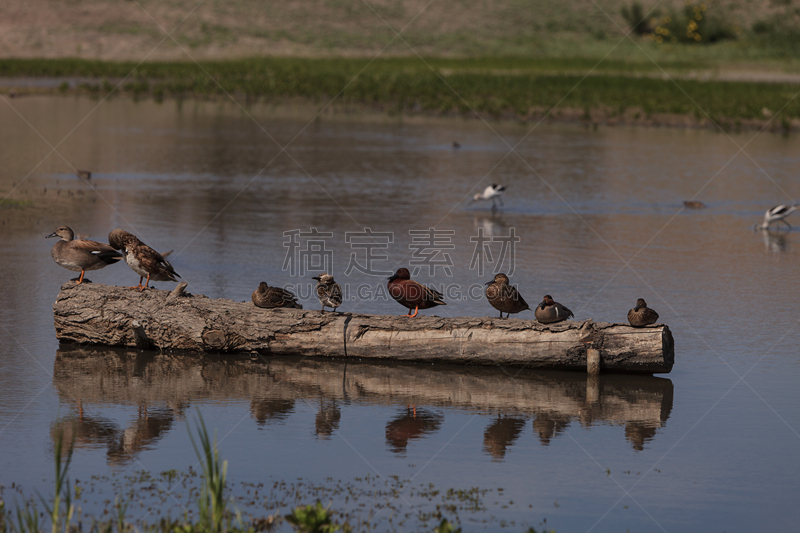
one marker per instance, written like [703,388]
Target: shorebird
[80,255]
[271,297]
[142,259]
[641,315]
[412,294]
[504,297]
[778,213]
[549,312]
[328,291]
[493,192]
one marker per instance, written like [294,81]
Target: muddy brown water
[598,218]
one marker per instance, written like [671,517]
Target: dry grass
[214,29]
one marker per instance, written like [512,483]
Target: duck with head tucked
[142,259]
[641,315]
[80,255]
[504,297]
[328,291]
[550,312]
[273,297]
[411,294]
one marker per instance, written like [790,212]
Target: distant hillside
[114,29]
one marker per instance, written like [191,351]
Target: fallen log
[154,319]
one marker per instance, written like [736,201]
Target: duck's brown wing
[281,297]
[432,295]
[100,250]
[154,263]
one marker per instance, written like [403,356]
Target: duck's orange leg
[416,310]
[80,279]
[147,283]
[139,286]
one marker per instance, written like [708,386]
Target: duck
[142,259]
[84,174]
[641,315]
[411,294]
[493,192]
[80,255]
[504,297]
[778,213]
[328,291]
[272,297]
[549,312]
[694,204]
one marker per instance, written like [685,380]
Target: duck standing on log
[80,255]
[504,297]
[550,312]
[142,259]
[328,291]
[412,294]
[641,315]
[272,297]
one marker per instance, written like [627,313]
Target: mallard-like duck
[271,297]
[549,312]
[504,297]
[694,204]
[493,192]
[142,259]
[328,291]
[778,213]
[641,315]
[80,255]
[412,294]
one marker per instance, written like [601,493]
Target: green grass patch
[495,86]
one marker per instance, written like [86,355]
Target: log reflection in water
[99,377]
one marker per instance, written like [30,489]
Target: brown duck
[328,291]
[412,294]
[641,315]
[549,312]
[80,255]
[142,259]
[271,297]
[504,297]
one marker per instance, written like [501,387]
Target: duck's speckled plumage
[641,315]
[505,297]
[328,291]
[411,294]
[142,259]
[272,297]
[549,312]
[80,255]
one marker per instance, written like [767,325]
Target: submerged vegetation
[216,509]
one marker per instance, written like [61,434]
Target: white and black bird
[493,192]
[778,213]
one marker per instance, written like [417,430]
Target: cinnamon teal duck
[272,297]
[778,214]
[641,315]
[504,297]
[412,294]
[549,312]
[80,255]
[328,291]
[142,259]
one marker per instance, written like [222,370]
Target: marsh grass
[213,502]
[507,87]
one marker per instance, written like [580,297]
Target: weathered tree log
[116,316]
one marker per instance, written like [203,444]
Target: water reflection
[775,241]
[161,387]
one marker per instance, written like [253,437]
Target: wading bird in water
[778,213]
[493,192]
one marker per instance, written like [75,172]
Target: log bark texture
[154,319]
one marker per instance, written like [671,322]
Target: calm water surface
[713,446]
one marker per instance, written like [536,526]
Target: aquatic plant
[213,502]
[313,519]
